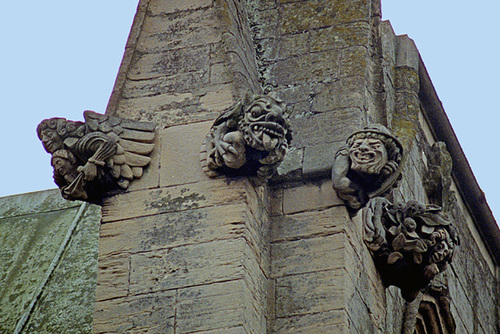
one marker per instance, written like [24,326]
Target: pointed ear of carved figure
[250,138]
[369,165]
[98,157]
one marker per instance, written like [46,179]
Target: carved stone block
[97,157]
[369,165]
[410,242]
[250,138]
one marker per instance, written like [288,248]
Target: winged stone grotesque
[97,157]
[250,138]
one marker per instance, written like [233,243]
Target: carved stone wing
[134,144]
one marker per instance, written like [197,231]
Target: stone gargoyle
[97,157]
[250,138]
[410,242]
[369,165]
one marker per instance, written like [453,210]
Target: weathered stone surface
[171,62]
[35,202]
[175,198]
[217,98]
[113,275]
[311,67]
[298,17]
[340,36]
[180,153]
[309,224]
[232,330]
[176,83]
[173,229]
[188,265]
[182,30]
[327,127]
[211,307]
[265,20]
[170,108]
[317,323]
[151,313]
[161,7]
[291,166]
[291,45]
[342,94]
[310,293]
[310,196]
[308,255]
[354,62]
[30,240]
[319,158]
[219,73]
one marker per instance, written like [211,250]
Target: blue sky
[60,58]
[459,42]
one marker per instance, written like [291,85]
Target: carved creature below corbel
[410,242]
[250,138]
[437,177]
[97,157]
[369,165]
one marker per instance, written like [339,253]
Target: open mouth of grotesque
[267,135]
[364,157]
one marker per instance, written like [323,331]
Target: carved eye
[256,112]
[356,144]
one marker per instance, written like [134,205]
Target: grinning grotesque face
[263,125]
[368,155]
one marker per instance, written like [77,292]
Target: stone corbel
[369,165]
[97,157]
[250,138]
[410,242]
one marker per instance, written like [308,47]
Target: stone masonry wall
[316,55]
[182,253]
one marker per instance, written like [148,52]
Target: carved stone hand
[90,171]
[234,149]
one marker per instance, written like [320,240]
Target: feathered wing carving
[97,157]
[134,143]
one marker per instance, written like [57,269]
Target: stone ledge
[310,196]
[176,198]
